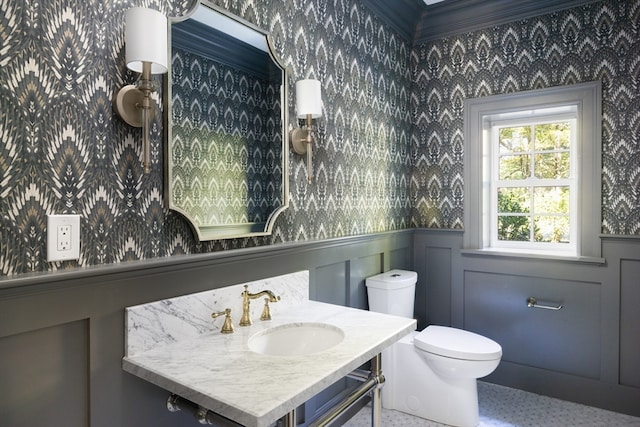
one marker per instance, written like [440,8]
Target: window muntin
[532,182]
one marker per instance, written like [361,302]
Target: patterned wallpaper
[599,41]
[225,143]
[63,150]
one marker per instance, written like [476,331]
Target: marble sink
[249,382]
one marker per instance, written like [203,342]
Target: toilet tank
[392,292]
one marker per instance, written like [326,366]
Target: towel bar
[532,302]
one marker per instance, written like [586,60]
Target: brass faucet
[227,326]
[247,297]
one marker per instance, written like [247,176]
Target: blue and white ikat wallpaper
[390,148]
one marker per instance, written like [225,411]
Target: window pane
[514,200]
[551,200]
[515,139]
[553,136]
[514,167]
[552,165]
[553,229]
[514,228]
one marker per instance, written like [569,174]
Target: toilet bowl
[430,374]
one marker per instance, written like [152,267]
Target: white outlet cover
[53,222]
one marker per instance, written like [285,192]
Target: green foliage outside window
[513,227]
[535,155]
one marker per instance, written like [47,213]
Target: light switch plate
[63,237]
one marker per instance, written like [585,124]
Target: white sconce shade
[308,99]
[146,39]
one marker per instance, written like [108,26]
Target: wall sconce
[308,107]
[146,53]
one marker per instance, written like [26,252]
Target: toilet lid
[457,343]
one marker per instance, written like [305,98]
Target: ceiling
[419,22]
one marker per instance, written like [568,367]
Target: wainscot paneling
[625,253]
[50,379]
[437,262]
[629,321]
[62,333]
[68,327]
[566,340]
[586,352]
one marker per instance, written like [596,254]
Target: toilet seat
[457,343]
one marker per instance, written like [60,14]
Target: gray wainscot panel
[56,360]
[626,254]
[586,352]
[629,321]
[565,340]
[437,261]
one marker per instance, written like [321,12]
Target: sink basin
[296,339]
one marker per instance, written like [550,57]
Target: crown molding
[419,23]
[461,16]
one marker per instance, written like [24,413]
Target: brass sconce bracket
[128,102]
[299,137]
[134,105]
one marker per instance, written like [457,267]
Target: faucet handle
[266,313]
[227,326]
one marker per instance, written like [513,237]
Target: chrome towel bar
[532,302]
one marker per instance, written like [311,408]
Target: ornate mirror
[226,165]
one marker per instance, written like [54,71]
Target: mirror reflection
[226,166]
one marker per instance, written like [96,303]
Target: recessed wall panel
[400,259]
[330,284]
[361,268]
[566,340]
[629,321]
[438,272]
[44,377]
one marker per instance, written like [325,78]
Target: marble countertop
[219,371]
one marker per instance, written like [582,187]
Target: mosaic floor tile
[507,407]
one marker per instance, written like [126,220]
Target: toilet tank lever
[533,302]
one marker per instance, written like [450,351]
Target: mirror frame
[226,231]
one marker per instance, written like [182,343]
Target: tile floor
[507,407]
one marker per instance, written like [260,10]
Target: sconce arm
[133,104]
[302,142]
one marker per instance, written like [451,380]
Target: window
[532,184]
[532,172]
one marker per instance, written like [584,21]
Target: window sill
[550,256]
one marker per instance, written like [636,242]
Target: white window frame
[533,117]
[584,100]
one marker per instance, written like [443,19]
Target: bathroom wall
[598,41]
[587,351]
[64,150]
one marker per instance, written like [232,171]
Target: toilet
[430,374]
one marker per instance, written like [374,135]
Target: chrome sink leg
[288,420]
[369,388]
[376,393]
